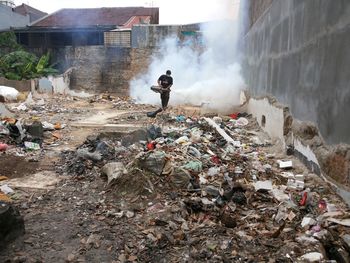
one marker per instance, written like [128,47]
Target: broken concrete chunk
[113,171]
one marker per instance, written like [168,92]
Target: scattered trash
[208,183]
[285,164]
[113,171]
[86,154]
[241,122]
[152,161]
[180,118]
[3,147]
[195,166]
[263,185]
[308,221]
[6,189]
[343,222]
[32,146]
[312,257]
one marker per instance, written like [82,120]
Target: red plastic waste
[303,199]
[3,147]
[234,116]
[322,205]
[215,159]
[150,146]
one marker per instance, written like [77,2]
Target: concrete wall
[143,36]
[8,18]
[20,85]
[298,51]
[99,68]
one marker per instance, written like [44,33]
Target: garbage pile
[213,189]
[26,133]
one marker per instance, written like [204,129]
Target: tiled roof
[88,17]
[34,14]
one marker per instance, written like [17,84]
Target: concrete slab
[42,180]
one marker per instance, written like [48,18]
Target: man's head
[168,72]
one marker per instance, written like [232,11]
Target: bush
[18,64]
[24,65]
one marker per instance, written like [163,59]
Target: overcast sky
[171,11]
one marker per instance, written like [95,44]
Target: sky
[171,11]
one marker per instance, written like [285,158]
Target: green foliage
[24,65]
[8,42]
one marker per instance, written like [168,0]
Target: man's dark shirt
[165,81]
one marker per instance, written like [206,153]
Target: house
[26,10]
[9,18]
[81,27]
[17,16]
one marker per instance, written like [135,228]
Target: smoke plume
[210,77]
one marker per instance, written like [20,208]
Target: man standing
[165,82]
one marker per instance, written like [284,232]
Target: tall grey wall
[100,68]
[152,35]
[8,18]
[299,51]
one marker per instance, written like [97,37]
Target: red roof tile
[117,16]
[34,14]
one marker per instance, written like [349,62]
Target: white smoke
[211,77]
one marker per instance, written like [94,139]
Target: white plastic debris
[29,99]
[213,171]
[48,126]
[242,122]
[312,257]
[285,164]
[343,222]
[223,133]
[263,185]
[21,107]
[295,184]
[6,189]
[182,140]
[308,221]
[280,195]
[8,92]
[40,102]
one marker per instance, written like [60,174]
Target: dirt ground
[145,217]
[16,166]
